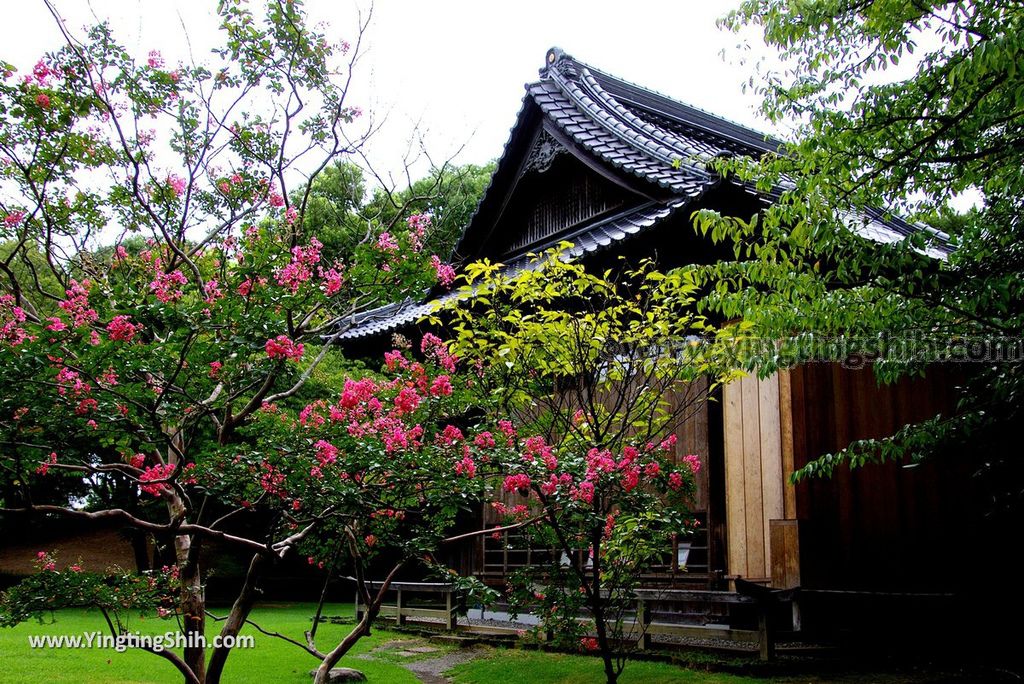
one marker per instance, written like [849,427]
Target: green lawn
[536,667]
[271,660]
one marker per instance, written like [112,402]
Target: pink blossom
[466,467]
[44,467]
[407,400]
[275,199]
[445,273]
[138,460]
[395,359]
[675,480]
[630,479]
[215,367]
[121,329]
[299,269]
[326,452]
[42,72]
[167,286]
[156,61]
[155,474]
[11,330]
[693,461]
[584,492]
[245,287]
[484,440]
[213,291]
[386,243]
[334,279]
[77,303]
[176,183]
[282,347]
[450,435]
[442,386]
[43,100]
[14,218]
[516,482]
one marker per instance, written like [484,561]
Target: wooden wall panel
[755,486]
[753,509]
[735,518]
[882,526]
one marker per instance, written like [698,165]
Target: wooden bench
[762,599]
[400,610]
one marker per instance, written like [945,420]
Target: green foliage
[898,109]
[449,195]
[589,376]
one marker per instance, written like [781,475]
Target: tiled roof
[640,133]
[591,239]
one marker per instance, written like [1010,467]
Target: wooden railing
[510,552]
[401,608]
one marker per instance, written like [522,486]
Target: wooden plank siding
[882,526]
[757,444]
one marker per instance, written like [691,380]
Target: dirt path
[427,661]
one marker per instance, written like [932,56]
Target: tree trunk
[140,547]
[237,617]
[192,606]
[597,609]
[323,672]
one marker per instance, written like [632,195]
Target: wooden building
[616,170]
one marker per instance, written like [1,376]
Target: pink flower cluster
[518,482]
[433,348]
[11,331]
[121,329]
[418,224]
[272,480]
[167,286]
[176,183]
[444,272]
[77,303]
[300,269]
[154,475]
[282,347]
[326,452]
[14,219]
[466,467]
[386,242]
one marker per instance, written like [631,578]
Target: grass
[537,667]
[271,660]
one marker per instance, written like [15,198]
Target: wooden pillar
[450,619]
[765,641]
[643,622]
[399,615]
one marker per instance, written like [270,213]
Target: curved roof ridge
[683,112]
[580,98]
[655,135]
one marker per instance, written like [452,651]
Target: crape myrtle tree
[388,464]
[160,299]
[897,109]
[588,376]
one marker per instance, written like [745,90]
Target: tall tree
[897,109]
[150,361]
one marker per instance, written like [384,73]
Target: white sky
[455,66]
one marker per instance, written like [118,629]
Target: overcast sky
[455,67]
